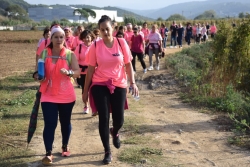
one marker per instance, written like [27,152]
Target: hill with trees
[223,8]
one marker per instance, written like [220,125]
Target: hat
[55,29]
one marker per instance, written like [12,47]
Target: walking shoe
[145,71]
[175,46]
[47,160]
[65,151]
[158,68]
[150,68]
[107,158]
[116,139]
[171,47]
[85,110]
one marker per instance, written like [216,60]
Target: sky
[130,4]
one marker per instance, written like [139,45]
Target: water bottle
[41,69]
[136,98]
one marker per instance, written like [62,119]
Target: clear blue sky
[131,4]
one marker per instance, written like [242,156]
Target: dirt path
[187,137]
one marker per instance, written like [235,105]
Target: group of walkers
[102,61]
[198,32]
[103,65]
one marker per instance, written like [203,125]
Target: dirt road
[187,137]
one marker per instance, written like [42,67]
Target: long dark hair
[104,18]
[85,33]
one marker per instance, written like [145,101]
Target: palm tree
[85,13]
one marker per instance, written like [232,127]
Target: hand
[85,98]
[135,91]
[64,71]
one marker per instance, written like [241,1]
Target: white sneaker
[171,47]
[150,68]
[145,71]
[158,68]
[85,110]
[175,47]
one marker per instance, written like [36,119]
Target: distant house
[67,12]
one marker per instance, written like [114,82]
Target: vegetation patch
[137,155]
[16,103]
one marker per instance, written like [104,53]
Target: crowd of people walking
[101,62]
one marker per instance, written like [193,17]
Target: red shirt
[136,43]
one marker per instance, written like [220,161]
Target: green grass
[138,155]
[16,103]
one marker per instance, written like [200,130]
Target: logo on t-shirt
[116,54]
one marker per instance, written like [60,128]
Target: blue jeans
[50,116]
[173,38]
[164,41]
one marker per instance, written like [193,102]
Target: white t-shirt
[154,37]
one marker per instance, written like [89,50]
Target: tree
[15,11]
[176,17]
[160,19]
[241,15]
[209,14]
[85,13]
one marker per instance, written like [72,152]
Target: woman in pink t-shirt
[77,41]
[137,49]
[57,92]
[145,30]
[155,47]
[43,41]
[213,30]
[106,83]
[69,38]
[81,55]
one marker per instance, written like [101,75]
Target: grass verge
[16,102]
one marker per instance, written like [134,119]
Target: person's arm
[129,70]
[89,76]
[74,67]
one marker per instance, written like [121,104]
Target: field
[18,51]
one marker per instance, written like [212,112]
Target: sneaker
[116,139]
[145,71]
[150,68]
[175,47]
[47,160]
[94,114]
[65,151]
[107,158]
[85,110]
[158,68]
[171,47]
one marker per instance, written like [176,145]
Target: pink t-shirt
[136,44]
[109,62]
[69,42]
[145,32]
[154,37]
[128,37]
[142,34]
[42,46]
[76,42]
[40,41]
[66,92]
[81,57]
[114,33]
[213,29]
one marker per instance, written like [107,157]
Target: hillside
[120,12]
[223,8]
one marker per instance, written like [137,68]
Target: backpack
[68,56]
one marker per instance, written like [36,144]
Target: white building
[67,12]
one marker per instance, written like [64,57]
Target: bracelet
[71,73]
[132,83]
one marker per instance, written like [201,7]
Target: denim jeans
[164,41]
[50,116]
[173,38]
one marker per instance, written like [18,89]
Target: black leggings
[140,57]
[105,101]
[82,81]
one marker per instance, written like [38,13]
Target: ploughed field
[18,50]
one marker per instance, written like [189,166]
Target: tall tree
[176,17]
[85,13]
